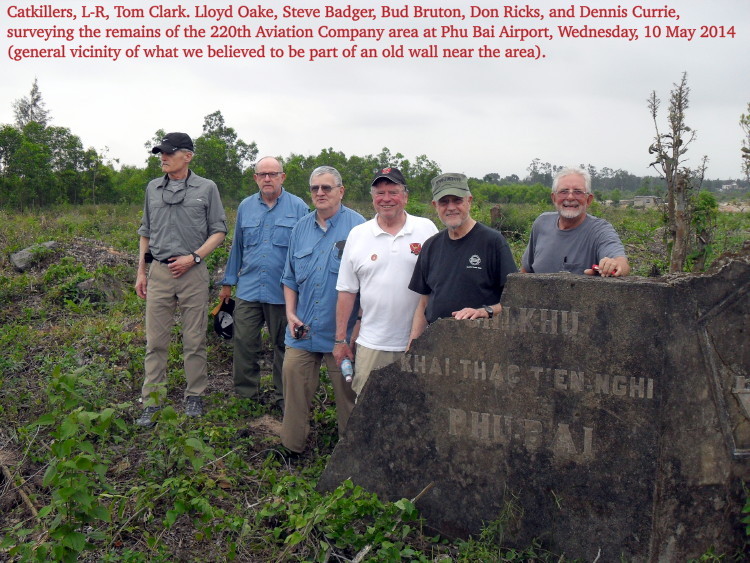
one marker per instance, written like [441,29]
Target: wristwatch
[490,311]
[196,258]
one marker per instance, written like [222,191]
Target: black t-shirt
[467,272]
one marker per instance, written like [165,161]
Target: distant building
[730,187]
[647,201]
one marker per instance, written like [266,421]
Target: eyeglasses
[325,188]
[267,174]
[175,198]
[576,193]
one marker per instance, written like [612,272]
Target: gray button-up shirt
[178,216]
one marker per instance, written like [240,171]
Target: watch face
[196,258]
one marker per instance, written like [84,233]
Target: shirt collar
[406,229]
[188,180]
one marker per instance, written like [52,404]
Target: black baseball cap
[392,174]
[173,142]
[223,320]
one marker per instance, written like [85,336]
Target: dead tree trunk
[681,223]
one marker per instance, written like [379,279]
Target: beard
[571,212]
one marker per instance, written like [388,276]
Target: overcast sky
[584,103]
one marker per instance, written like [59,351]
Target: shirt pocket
[158,216]
[334,258]
[282,230]
[251,233]
[302,264]
[195,212]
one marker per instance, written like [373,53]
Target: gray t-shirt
[553,250]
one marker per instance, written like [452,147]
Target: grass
[83,483]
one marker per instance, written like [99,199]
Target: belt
[164,261]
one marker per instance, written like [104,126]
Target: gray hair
[569,172]
[186,150]
[327,170]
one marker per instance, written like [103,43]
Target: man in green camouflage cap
[460,271]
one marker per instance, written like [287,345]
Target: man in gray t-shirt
[570,239]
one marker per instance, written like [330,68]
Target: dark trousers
[249,319]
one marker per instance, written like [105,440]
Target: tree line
[43,164]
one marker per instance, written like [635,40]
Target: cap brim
[168,149]
[458,192]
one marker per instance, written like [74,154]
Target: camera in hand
[300,331]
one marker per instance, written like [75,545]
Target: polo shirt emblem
[416,248]
[374,257]
[475,260]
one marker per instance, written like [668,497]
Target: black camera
[300,331]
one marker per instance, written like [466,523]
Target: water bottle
[347,370]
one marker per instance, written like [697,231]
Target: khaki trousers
[368,360]
[301,374]
[189,292]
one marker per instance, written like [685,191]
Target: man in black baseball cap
[376,265]
[183,222]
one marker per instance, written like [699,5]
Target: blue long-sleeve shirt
[259,246]
[311,270]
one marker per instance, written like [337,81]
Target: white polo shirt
[379,266]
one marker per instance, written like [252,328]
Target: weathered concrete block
[605,417]
[28,257]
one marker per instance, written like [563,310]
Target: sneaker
[284,455]
[194,406]
[145,419]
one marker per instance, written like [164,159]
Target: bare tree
[745,124]
[669,150]
[31,108]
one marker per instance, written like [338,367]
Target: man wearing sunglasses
[309,280]
[183,222]
[571,240]
[256,262]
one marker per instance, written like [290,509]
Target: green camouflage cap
[451,183]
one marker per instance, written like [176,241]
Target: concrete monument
[608,417]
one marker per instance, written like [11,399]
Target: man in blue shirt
[309,280]
[261,238]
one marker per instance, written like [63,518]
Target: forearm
[211,244]
[419,321]
[344,308]
[290,300]
[143,245]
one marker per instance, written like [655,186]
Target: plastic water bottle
[347,370]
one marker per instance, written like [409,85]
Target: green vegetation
[81,482]
[44,165]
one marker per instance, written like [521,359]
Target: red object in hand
[595,267]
